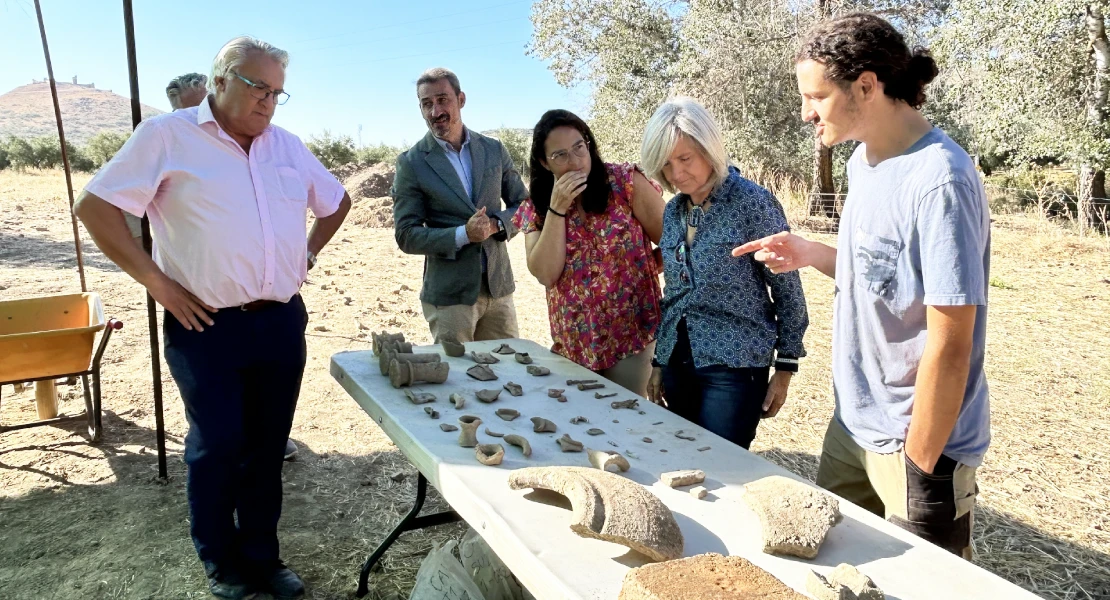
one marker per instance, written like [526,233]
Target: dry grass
[93,522]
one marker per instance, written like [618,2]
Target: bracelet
[557,213]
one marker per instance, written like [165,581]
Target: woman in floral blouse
[589,228]
[725,320]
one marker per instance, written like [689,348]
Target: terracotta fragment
[397,346]
[603,459]
[405,373]
[484,358]
[453,349]
[609,507]
[504,349]
[845,582]
[580,381]
[542,425]
[523,358]
[493,433]
[538,371]
[431,412]
[699,492]
[681,478]
[703,448]
[647,440]
[487,396]
[577,420]
[630,403]
[489,454]
[481,373]
[795,518]
[514,389]
[704,576]
[594,431]
[561,399]
[419,397]
[447,427]
[390,355]
[507,414]
[569,445]
[680,434]
[378,338]
[554,393]
[590,386]
[468,430]
[520,442]
[601,396]
[458,400]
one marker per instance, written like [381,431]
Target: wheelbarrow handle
[112,325]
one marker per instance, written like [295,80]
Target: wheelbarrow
[51,337]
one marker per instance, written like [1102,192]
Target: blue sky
[352,63]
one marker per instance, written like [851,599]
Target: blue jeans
[239,380]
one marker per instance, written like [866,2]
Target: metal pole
[151,308]
[62,141]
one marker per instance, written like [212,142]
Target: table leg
[410,522]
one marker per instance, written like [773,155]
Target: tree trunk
[1092,179]
[824,189]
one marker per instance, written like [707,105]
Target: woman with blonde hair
[726,321]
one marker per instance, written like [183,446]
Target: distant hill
[27,111]
[526,132]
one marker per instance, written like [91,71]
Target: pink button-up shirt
[228,226]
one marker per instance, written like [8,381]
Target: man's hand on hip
[181,303]
[479,227]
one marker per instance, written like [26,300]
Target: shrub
[21,155]
[332,151]
[382,153]
[103,146]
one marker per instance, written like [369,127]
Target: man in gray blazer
[447,196]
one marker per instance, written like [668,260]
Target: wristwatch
[311,260]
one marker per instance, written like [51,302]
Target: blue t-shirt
[915,232]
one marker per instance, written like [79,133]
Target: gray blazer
[429,202]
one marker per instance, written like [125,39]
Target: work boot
[225,582]
[290,450]
[281,582]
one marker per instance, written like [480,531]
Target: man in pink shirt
[226,193]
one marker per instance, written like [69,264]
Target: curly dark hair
[595,199]
[849,45]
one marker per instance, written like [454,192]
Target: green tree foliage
[21,154]
[103,146]
[519,144]
[333,151]
[382,153]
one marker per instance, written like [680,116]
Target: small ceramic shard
[487,396]
[561,399]
[616,421]
[580,381]
[703,448]
[631,454]
[484,358]
[680,434]
[590,386]
[523,358]
[419,397]
[795,518]
[681,478]
[601,396]
[699,492]
[514,389]
[433,413]
[569,445]
[577,420]
[453,349]
[554,393]
[663,450]
[641,412]
[844,582]
[489,454]
[468,430]
[613,444]
[594,431]
[403,374]
[630,403]
[704,576]
[542,425]
[504,349]
[493,433]
[647,440]
[481,373]
[603,459]
[520,442]
[448,427]
[507,414]
[538,371]
[657,423]
[458,400]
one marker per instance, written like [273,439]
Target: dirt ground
[84,521]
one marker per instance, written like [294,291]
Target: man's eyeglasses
[262,92]
[560,158]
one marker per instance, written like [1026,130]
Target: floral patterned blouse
[605,305]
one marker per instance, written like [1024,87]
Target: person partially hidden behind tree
[912,262]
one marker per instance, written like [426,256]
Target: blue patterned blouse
[738,313]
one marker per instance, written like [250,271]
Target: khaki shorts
[938,507]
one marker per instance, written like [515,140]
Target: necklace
[694,215]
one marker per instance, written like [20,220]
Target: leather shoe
[282,583]
[226,583]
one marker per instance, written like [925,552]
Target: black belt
[261,304]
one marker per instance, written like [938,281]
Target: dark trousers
[239,380]
[725,400]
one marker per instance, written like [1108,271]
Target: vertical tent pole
[62,141]
[151,309]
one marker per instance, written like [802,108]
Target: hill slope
[27,111]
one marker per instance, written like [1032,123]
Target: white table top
[531,534]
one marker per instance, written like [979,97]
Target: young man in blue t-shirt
[911,266]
